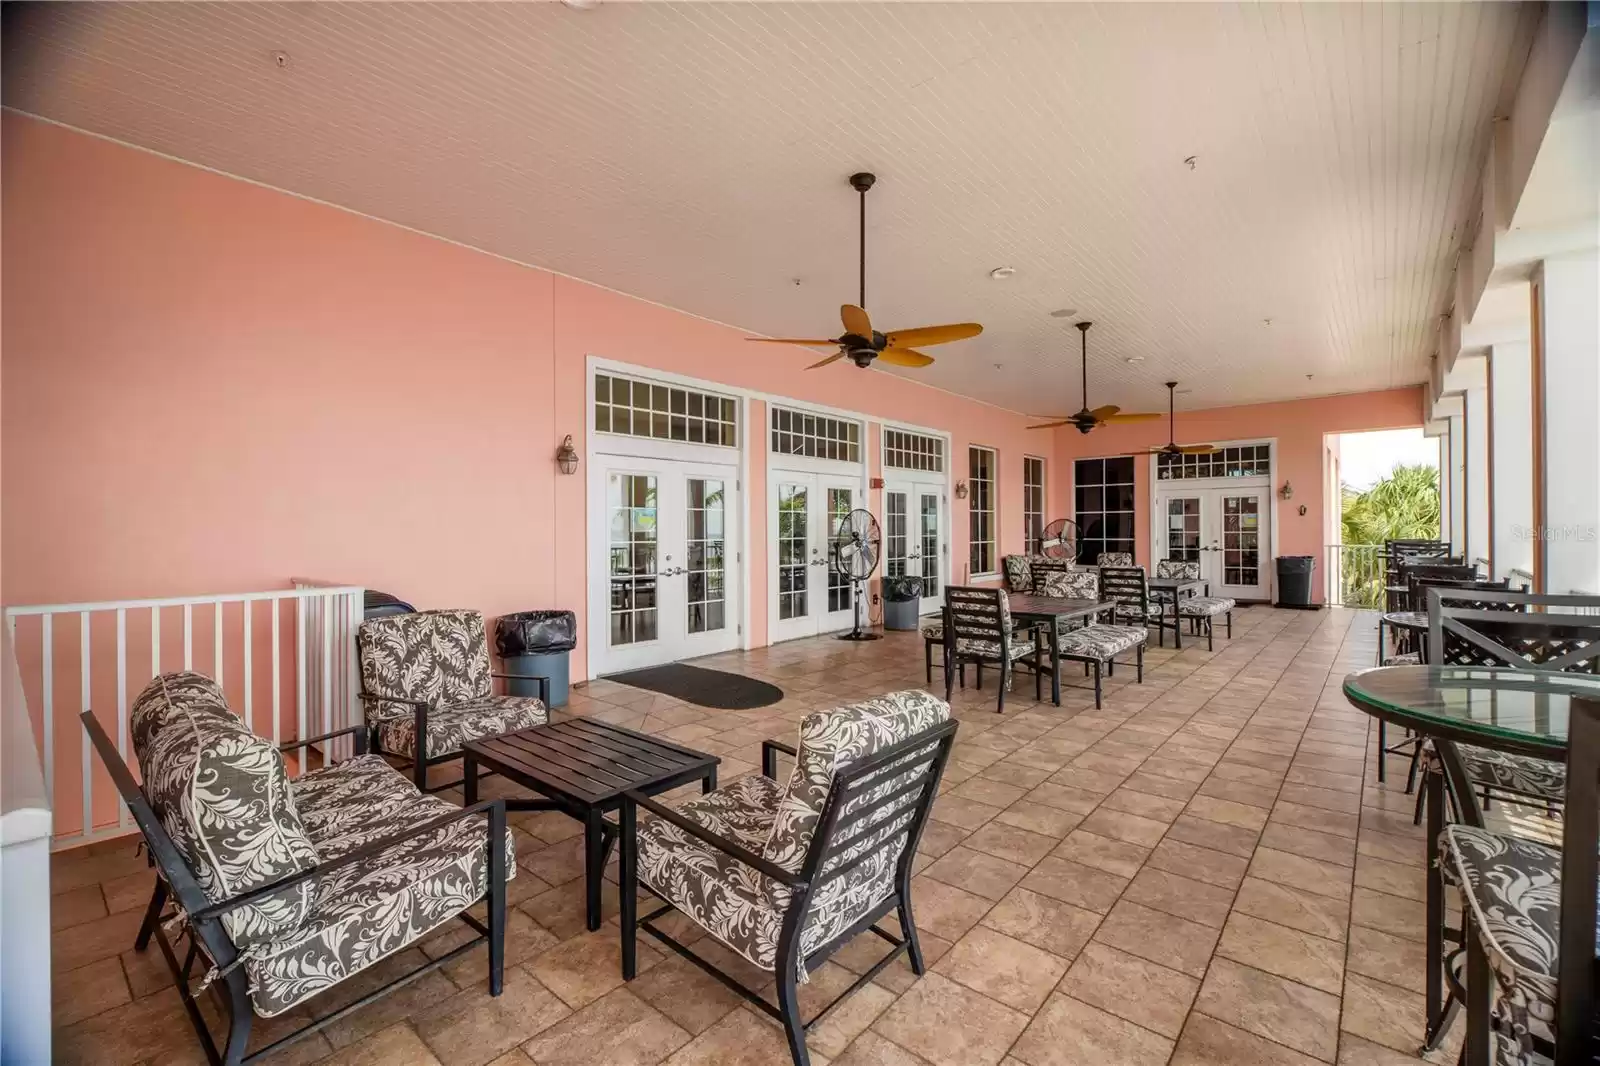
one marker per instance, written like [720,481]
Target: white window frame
[1029,545]
[1273,500]
[887,428]
[787,458]
[993,511]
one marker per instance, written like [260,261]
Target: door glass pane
[894,510]
[794,537]
[838,584]
[631,522]
[1183,528]
[930,545]
[1241,547]
[707,586]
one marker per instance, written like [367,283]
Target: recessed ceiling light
[1064,312]
[1133,359]
[1191,161]
[582,5]
[1001,273]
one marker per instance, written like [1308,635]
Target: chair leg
[978,666]
[1139,664]
[789,1008]
[1005,683]
[949,674]
[419,772]
[152,915]
[239,1018]
[1479,996]
[497,896]
[1097,684]
[1111,666]
[1230,625]
[1416,762]
[908,929]
[1210,634]
[927,658]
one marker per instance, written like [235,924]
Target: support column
[1569,364]
[1511,543]
[1476,400]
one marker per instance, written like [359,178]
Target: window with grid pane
[1103,506]
[1241,460]
[982,556]
[815,436]
[635,408]
[1032,502]
[912,451]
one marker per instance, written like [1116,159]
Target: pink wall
[1298,425]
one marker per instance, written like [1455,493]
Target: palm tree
[1404,505]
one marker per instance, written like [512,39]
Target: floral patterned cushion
[1020,647]
[1512,886]
[1116,559]
[170,698]
[441,656]
[1080,584]
[1101,641]
[1405,658]
[1178,568]
[1019,572]
[1205,606]
[223,797]
[453,725]
[1522,774]
[367,911]
[933,631]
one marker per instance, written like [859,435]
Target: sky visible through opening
[1364,458]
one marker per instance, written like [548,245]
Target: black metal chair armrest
[366,851]
[721,843]
[359,731]
[544,683]
[769,757]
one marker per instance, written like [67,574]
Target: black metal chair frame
[1130,585]
[956,661]
[836,831]
[209,938]
[1202,624]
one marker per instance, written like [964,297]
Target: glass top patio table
[1519,711]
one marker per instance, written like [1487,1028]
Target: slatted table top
[592,762]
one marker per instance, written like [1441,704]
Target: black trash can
[539,643]
[1294,580]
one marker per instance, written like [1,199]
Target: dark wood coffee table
[583,767]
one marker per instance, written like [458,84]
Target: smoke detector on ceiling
[1003,272]
[1064,312]
[582,5]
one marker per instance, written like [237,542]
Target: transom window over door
[1032,503]
[982,557]
[815,436]
[1243,460]
[1104,512]
[904,450]
[635,408]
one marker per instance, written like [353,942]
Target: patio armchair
[978,630]
[1200,611]
[785,875]
[427,675]
[286,888]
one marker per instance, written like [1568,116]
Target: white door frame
[915,484]
[820,475]
[944,480]
[1268,484]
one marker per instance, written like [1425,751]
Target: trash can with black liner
[1294,580]
[537,643]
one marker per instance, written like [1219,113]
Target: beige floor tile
[1038,919]
[741,1037]
[474,1027]
[1391,959]
[994,793]
[86,991]
[1130,987]
[939,837]
[1003,968]
[1218,836]
[1240,791]
[1072,800]
[1322,916]
[1039,818]
[1208,1042]
[1288,1013]
[1299,872]
[1103,853]
[90,941]
[870,1049]
[951,1025]
[1298,840]
[1144,804]
[1334,822]
[976,872]
[851,1018]
[1005,841]
[1182,896]
[1383,1013]
[1287,952]
[1203,864]
[1071,1033]
[1394,915]
[1070,882]
[1159,937]
[412,999]
[78,905]
[1397,879]
[965,813]
[398,1045]
[945,910]
[618,1029]
[1119,825]
[583,969]
[686,994]
[1407,851]
[1228,812]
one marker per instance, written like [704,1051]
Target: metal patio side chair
[1130,588]
[1201,612]
[427,674]
[786,875]
[286,889]
[978,630]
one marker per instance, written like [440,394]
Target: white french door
[804,511]
[667,551]
[916,537]
[1225,530]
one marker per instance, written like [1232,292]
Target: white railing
[1356,575]
[287,673]
[1517,576]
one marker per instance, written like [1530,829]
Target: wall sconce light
[1287,492]
[567,456]
[961,490]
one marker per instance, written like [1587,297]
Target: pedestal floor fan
[1060,541]
[854,554]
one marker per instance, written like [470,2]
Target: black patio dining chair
[786,875]
[978,630]
[1129,588]
[1200,611]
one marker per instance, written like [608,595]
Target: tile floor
[1203,872]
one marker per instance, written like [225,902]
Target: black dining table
[1051,611]
[1522,712]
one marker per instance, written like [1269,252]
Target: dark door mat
[706,688]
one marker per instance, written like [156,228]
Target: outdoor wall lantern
[1287,492]
[567,456]
[961,490]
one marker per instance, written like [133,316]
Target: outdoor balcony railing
[1355,575]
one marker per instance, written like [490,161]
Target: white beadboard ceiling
[696,155]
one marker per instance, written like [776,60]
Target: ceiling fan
[1173,447]
[1085,420]
[860,341]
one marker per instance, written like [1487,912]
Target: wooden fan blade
[1053,425]
[1148,451]
[1132,418]
[824,362]
[1199,449]
[904,357]
[793,340]
[855,321]
[913,338]
[1102,413]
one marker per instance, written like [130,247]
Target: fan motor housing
[862,357]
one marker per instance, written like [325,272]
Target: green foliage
[1404,505]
